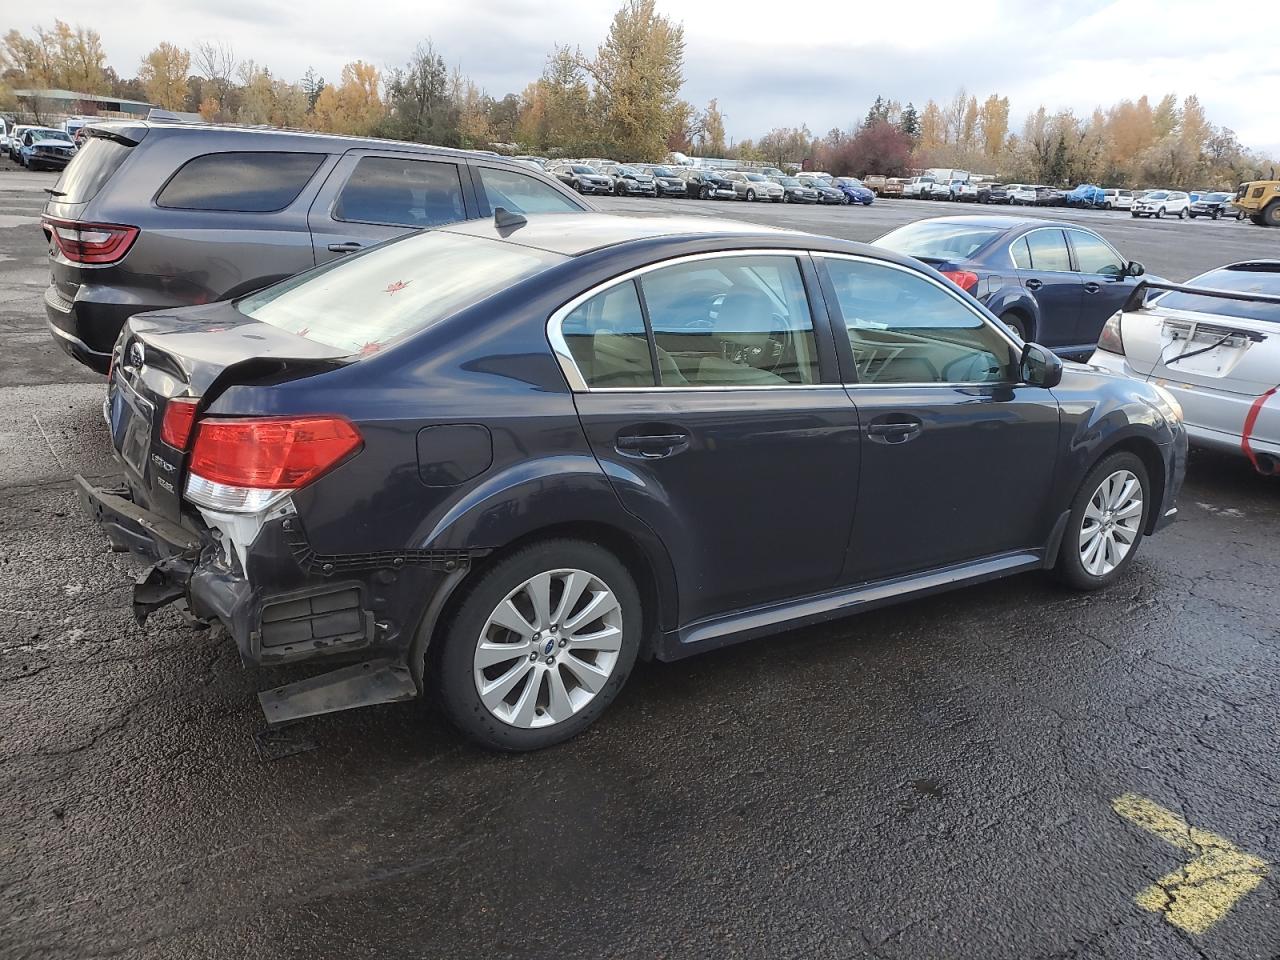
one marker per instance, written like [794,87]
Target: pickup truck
[945,189]
[964,190]
[918,187]
[875,183]
[893,187]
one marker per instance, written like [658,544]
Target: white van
[1117,199]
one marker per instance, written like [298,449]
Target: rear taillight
[99,243]
[1110,339]
[963,279]
[242,465]
[179,418]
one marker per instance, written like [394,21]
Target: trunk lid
[1228,354]
[195,353]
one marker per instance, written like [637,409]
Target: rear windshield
[938,240]
[365,301]
[89,169]
[1240,281]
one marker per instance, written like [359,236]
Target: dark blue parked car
[855,191]
[496,462]
[1054,283]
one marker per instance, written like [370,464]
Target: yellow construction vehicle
[1259,200]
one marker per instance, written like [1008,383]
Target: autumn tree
[783,145]
[994,120]
[420,107]
[878,147]
[933,127]
[215,60]
[163,72]
[712,140]
[64,57]
[637,74]
[354,105]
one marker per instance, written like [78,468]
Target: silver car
[754,186]
[1218,356]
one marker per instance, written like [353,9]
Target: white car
[1218,357]
[917,187]
[749,185]
[1161,204]
[1022,194]
[1117,199]
[964,190]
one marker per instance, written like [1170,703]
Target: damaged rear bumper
[289,604]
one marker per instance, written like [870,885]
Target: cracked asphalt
[933,780]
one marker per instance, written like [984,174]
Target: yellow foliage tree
[352,106]
[163,73]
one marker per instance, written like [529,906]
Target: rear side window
[402,192]
[1049,251]
[520,193]
[89,169]
[257,182]
[607,338]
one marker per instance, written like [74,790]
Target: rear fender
[552,496]
[1015,298]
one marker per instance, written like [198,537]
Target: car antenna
[505,219]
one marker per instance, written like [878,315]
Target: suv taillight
[243,464]
[97,243]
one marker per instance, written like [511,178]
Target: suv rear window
[89,169]
[256,182]
[365,301]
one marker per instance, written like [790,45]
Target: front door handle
[652,446]
[1031,284]
[1092,287]
[351,246]
[894,431]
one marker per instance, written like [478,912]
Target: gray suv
[153,215]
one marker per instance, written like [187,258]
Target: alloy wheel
[1111,523]
[548,648]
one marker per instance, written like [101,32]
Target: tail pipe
[1266,464]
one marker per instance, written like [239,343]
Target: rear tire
[1015,322]
[1101,523]
[1182,214]
[1217,215]
[1271,215]
[545,672]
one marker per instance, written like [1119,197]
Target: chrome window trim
[569,366]
[954,294]
[1009,250]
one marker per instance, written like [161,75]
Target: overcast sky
[816,63]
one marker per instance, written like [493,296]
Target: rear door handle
[351,246]
[1031,284]
[652,446]
[894,431]
[1092,287]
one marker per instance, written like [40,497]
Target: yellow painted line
[1198,894]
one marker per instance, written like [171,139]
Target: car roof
[1005,222]
[574,234]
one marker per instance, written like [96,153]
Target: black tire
[452,666]
[786,198]
[1070,568]
[1256,218]
[1107,205]
[1015,322]
[1134,215]
[1217,214]
[579,187]
[751,195]
[1271,215]
[1182,214]
[704,193]
[1193,215]
[1160,214]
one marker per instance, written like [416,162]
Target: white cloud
[819,64]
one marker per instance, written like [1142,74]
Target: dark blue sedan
[1051,282]
[855,190]
[494,463]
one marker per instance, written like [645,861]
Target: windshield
[365,301]
[1243,281]
[662,172]
[1157,195]
[628,171]
[582,168]
[755,178]
[789,181]
[1216,197]
[50,135]
[938,240]
[850,181]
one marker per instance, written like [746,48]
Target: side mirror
[1134,269]
[1039,366]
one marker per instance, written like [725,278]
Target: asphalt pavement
[1009,771]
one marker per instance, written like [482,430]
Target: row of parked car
[1157,204]
[600,176]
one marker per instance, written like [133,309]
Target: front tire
[506,690]
[751,195]
[1182,214]
[1108,516]
[1160,214]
